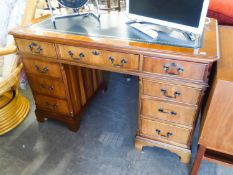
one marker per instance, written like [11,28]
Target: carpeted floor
[104,144]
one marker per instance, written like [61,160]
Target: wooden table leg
[198,159]
[119,5]
[109,4]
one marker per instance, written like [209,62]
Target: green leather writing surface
[109,26]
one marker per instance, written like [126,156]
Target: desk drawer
[38,67]
[52,104]
[118,60]
[164,131]
[47,86]
[78,54]
[172,92]
[167,111]
[100,57]
[175,68]
[36,48]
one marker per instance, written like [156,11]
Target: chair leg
[13,113]
[198,159]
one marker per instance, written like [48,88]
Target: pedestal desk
[64,70]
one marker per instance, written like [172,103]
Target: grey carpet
[104,144]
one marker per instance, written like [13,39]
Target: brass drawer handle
[50,88]
[35,48]
[42,71]
[176,93]
[112,60]
[51,106]
[71,54]
[96,53]
[167,135]
[167,111]
[173,69]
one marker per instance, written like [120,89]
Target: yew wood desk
[64,69]
[216,139]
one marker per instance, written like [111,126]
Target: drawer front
[164,131]
[100,57]
[175,68]
[47,86]
[172,92]
[52,104]
[169,112]
[78,54]
[39,67]
[36,48]
[118,60]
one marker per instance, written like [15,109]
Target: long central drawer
[99,57]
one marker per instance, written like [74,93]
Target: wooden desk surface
[217,132]
[209,52]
